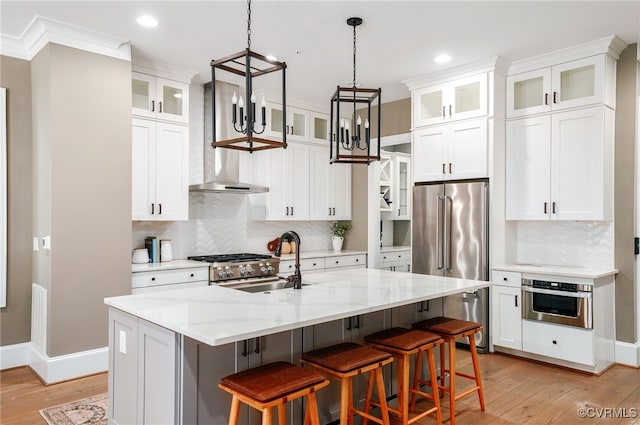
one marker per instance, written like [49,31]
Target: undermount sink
[266,287]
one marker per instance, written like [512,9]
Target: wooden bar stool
[402,343]
[342,362]
[273,385]
[450,330]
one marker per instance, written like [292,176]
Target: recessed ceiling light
[147,21]
[443,58]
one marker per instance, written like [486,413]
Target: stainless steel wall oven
[558,302]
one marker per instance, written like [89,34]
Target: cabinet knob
[504,278]
[153,279]
[191,275]
[357,259]
[314,264]
[555,342]
[337,262]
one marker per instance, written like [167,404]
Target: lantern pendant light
[349,142]
[250,65]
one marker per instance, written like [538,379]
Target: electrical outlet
[36,245]
[46,243]
[123,342]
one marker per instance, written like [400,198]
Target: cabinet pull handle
[443,168]
[349,327]
[398,212]
[287,129]
[420,307]
[516,299]
[329,210]
[153,209]
[244,348]
[291,210]
[553,207]
[287,211]
[334,211]
[546,98]
[450,114]
[358,321]
[159,209]
[257,349]
[450,169]
[545,207]
[160,107]
[444,114]
[153,106]
[555,100]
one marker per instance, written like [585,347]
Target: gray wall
[15,319]
[396,119]
[625,190]
[82,190]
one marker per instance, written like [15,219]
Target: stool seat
[272,381]
[447,325]
[345,357]
[401,338]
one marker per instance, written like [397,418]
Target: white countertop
[167,265]
[217,315]
[318,254]
[394,248]
[567,271]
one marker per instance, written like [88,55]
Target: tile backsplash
[218,224]
[566,243]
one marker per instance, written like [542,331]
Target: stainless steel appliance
[450,237]
[238,270]
[558,302]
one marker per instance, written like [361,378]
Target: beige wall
[396,118]
[625,204]
[82,196]
[15,319]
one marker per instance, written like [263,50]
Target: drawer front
[557,341]
[170,287]
[306,264]
[499,277]
[345,261]
[168,277]
[395,256]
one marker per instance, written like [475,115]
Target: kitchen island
[168,350]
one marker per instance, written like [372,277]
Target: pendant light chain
[354,56]
[248,24]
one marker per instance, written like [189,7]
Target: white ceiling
[397,41]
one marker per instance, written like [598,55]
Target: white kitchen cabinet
[287,267]
[581,82]
[140,347]
[506,316]
[319,131]
[160,161]
[330,186]
[159,98]
[153,281]
[558,341]
[401,187]
[455,100]
[344,262]
[297,128]
[450,151]
[559,166]
[395,260]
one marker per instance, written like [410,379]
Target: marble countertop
[394,248]
[318,254]
[566,271]
[167,265]
[217,315]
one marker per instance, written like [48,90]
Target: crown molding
[162,69]
[495,63]
[42,30]
[611,45]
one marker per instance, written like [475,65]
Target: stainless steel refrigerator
[450,237]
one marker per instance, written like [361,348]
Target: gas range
[227,269]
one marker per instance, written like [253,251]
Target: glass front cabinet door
[159,98]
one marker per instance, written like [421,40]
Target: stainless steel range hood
[222,166]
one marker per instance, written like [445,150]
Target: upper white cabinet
[330,186]
[455,100]
[581,82]
[451,151]
[297,128]
[160,170]
[319,128]
[560,166]
[159,98]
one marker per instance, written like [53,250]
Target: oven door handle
[557,293]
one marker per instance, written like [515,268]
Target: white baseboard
[14,355]
[68,366]
[628,353]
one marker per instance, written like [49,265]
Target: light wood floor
[517,391]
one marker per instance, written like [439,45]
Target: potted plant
[339,230]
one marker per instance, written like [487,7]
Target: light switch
[123,342]
[46,243]
[36,245]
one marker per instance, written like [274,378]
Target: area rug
[91,410]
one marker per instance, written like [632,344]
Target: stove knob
[263,269]
[249,270]
[270,268]
[221,272]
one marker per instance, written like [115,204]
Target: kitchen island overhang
[168,350]
[216,315]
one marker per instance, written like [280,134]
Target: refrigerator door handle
[439,232]
[446,238]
